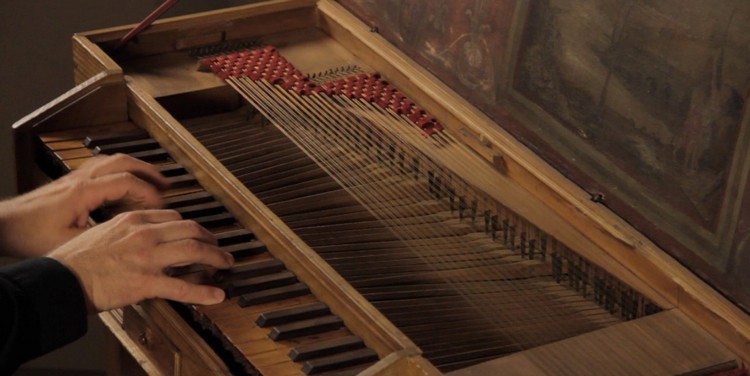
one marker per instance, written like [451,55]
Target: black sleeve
[42,307]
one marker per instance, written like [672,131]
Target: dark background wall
[36,68]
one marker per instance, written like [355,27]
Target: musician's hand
[122,261]
[35,223]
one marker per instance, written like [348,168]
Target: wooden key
[260,283]
[215,220]
[286,315]
[126,147]
[325,348]
[234,237]
[151,155]
[188,199]
[180,181]
[249,270]
[245,249]
[82,154]
[272,295]
[338,361]
[93,141]
[306,327]
[200,210]
[172,169]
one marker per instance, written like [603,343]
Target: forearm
[35,223]
[7,246]
[42,307]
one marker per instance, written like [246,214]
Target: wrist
[84,279]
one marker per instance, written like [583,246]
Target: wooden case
[153,81]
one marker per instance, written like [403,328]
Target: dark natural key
[234,237]
[151,155]
[339,361]
[181,181]
[260,283]
[287,315]
[249,270]
[245,249]
[215,220]
[172,169]
[306,327]
[200,210]
[273,295]
[325,348]
[127,146]
[188,199]
[94,141]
